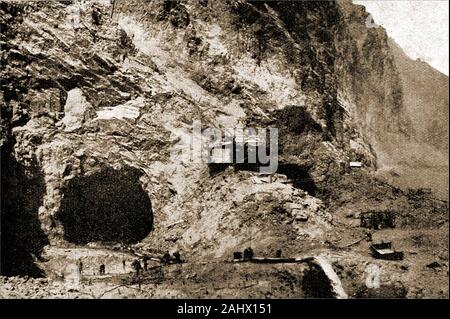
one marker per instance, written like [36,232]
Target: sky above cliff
[420,27]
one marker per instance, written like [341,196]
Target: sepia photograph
[195,150]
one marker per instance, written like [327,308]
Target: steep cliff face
[369,81]
[401,105]
[97,95]
[425,96]
[423,161]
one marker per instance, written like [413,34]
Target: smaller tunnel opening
[300,177]
[108,206]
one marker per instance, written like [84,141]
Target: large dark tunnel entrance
[108,206]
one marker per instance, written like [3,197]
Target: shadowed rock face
[316,284]
[22,239]
[108,206]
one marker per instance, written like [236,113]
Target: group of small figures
[166,259]
[248,254]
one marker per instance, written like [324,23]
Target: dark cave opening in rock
[299,176]
[109,206]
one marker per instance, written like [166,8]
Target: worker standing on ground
[80,266]
[145,260]
[102,269]
[136,266]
